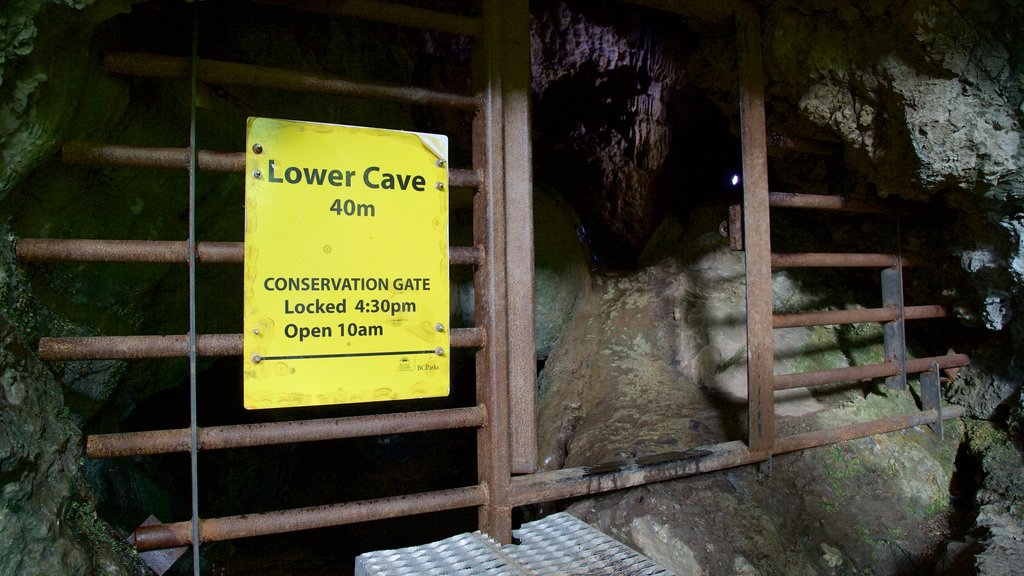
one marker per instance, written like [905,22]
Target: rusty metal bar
[894,343]
[231,73]
[590,480]
[176,346]
[837,203]
[272,433]
[864,429]
[837,260]
[518,182]
[887,314]
[96,154]
[163,251]
[463,178]
[865,372]
[159,536]
[489,280]
[388,13]
[756,234]
[93,153]
[710,10]
[815,146]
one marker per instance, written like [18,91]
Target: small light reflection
[735,179]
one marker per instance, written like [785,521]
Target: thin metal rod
[176,346]
[193,169]
[825,317]
[160,536]
[163,251]
[388,13]
[590,480]
[231,73]
[868,371]
[273,433]
[93,154]
[836,260]
[837,203]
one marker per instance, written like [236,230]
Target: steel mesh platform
[559,545]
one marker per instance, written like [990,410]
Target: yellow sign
[346,264]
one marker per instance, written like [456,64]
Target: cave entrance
[494,115]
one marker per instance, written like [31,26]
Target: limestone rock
[47,525]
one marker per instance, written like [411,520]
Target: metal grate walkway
[559,545]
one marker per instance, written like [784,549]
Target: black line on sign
[310,356]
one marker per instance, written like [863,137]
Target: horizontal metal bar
[863,429]
[389,13]
[589,480]
[802,144]
[463,178]
[836,203]
[177,534]
[272,433]
[868,371]
[231,73]
[855,316]
[176,346]
[710,10]
[837,260]
[93,154]
[163,251]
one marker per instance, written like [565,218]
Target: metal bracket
[931,397]
[159,561]
[893,342]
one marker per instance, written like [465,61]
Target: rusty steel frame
[867,371]
[96,154]
[502,257]
[273,433]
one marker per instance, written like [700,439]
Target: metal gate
[502,259]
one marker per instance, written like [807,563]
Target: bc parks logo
[409,364]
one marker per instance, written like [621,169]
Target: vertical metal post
[518,180]
[757,228]
[489,283]
[931,396]
[893,341]
[193,166]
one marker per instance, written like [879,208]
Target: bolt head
[257,174]
[439,327]
[439,351]
[257,148]
[440,185]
